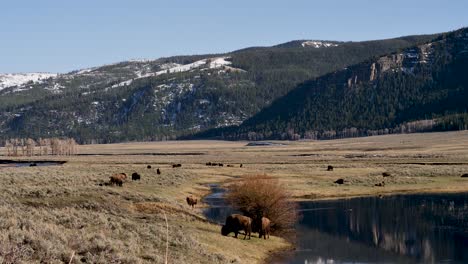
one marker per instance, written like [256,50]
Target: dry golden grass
[47,213]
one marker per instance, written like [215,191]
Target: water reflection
[403,229]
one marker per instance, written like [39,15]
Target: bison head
[225,230]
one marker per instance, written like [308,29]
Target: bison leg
[235,234]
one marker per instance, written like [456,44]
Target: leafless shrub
[262,195]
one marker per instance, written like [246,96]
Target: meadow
[57,214]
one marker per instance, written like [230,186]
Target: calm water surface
[393,229]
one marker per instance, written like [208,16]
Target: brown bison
[235,223]
[192,201]
[158,171]
[240,166]
[465,175]
[118,179]
[230,166]
[148,167]
[339,181]
[176,165]
[208,164]
[330,168]
[136,176]
[262,226]
[386,174]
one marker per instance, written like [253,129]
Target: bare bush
[261,195]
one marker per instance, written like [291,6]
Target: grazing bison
[208,164]
[385,174]
[148,167]
[330,168]
[465,175]
[136,176]
[220,164]
[158,171]
[235,223]
[231,166]
[192,201]
[176,165]
[339,181]
[117,179]
[214,164]
[240,166]
[262,226]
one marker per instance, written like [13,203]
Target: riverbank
[63,204]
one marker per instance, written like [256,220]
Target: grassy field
[50,213]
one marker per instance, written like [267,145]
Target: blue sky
[61,35]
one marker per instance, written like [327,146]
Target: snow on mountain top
[212,63]
[17,79]
[318,44]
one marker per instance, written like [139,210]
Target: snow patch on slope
[212,63]
[17,79]
[318,44]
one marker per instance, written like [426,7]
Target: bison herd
[221,164]
[236,222]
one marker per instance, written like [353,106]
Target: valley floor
[50,213]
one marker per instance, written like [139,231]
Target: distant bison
[208,164]
[158,171]
[380,184]
[176,165]
[231,166]
[136,176]
[220,164]
[117,179]
[191,201]
[465,175]
[235,223]
[262,226]
[339,181]
[240,166]
[148,167]
[330,168]
[386,174]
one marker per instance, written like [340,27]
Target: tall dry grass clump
[262,195]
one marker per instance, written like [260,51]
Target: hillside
[421,88]
[177,96]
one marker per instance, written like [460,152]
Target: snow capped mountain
[318,44]
[16,79]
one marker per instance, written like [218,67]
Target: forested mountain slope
[421,88]
[177,96]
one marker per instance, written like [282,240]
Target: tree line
[40,147]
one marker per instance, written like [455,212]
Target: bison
[148,167]
[136,176]
[380,184]
[240,166]
[262,226]
[176,165]
[117,179]
[235,223]
[158,171]
[465,175]
[330,168]
[230,166]
[220,164]
[191,201]
[208,164]
[339,181]
[385,174]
